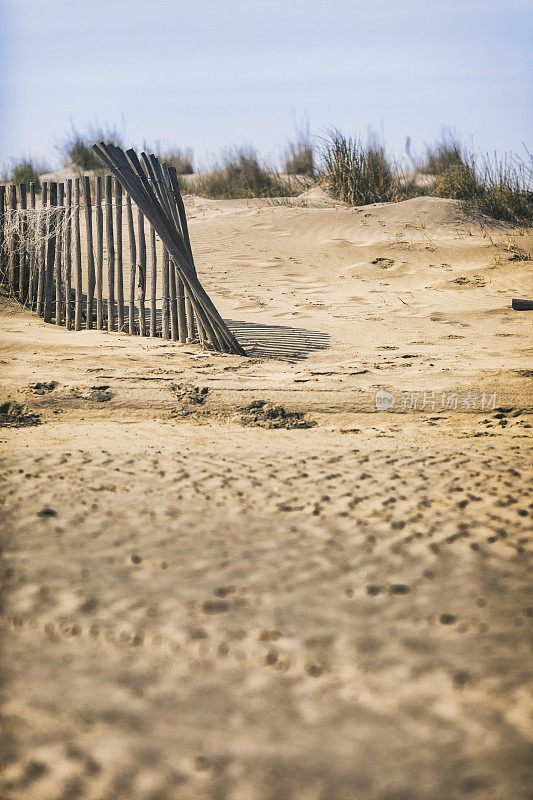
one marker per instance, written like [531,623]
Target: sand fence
[64,254]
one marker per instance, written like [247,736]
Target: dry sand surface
[198,604]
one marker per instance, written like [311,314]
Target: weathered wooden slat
[32,285]
[141,291]
[120,276]
[78,313]
[68,256]
[174,333]
[110,245]
[165,300]
[182,311]
[59,254]
[153,283]
[91,277]
[12,240]
[41,233]
[23,252]
[99,253]
[50,254]
[133,265]
[2,227]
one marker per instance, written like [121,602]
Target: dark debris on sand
[259,413]
[17,415]
[267,415]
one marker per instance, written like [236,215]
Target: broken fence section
[85,254]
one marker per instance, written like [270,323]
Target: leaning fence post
[12,240]
[40,236]
[153,283]
[120,276]
[77,253]
[142,273]
[110,244]
[59,253]
[99,253]
[23,258]
[50,255]
[133,265]
[68,257]
[91,280]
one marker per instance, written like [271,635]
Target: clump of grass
[240,176]
[444,156]
[499,189]
[506,191]
[300,157]
[300,160]
[26,170]
[356,174]
[182,160]
[77,151]
[458,181]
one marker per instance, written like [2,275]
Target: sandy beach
[235,578]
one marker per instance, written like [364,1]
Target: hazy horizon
[213,75]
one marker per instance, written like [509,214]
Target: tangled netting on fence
[27,235]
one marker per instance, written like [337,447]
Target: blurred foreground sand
[197,608]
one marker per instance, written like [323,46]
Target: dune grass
[359,174]
[26,170]
[76,148]
[442,157]
[300,156]
[499,188]
[241,175]
[182,160]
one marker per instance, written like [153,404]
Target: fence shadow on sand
[277,341]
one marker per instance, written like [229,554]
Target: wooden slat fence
[83,253]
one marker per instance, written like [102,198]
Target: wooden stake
[133,265]
[32,259]
[165,333]
[141,294]
[110,244]
[41,233]
[77,252]
[182,312]
[50,255]
[120,277]
[153,284]
[91,278]
[2,225]
[174,332]
[68,257]
[99,254]
[12,240]
[58,258]
[23,258]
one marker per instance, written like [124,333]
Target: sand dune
[199,604]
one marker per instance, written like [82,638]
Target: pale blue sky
[210,74]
